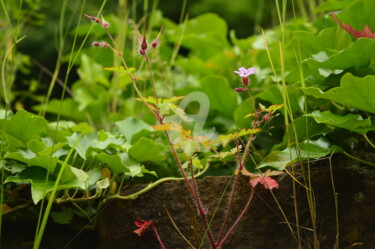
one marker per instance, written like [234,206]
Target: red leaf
[144,226]
[366,32]
[267,182]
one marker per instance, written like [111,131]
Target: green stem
[153,185]
[369,141]
[52,196]
[357,159]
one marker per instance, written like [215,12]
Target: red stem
[192,191]
[158,237]
[232,195]
[220,244]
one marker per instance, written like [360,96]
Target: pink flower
[243,72]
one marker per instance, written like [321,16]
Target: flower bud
[95,43]
[105,24]
[103,44]
[142,51]
[245,81]
[240,89]
[155,43]
[266,117]
[144,44]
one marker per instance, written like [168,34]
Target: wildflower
[104,23]
[156,41]
[266,117]
[245,73]
[144,226]
[92,18]
[95,43]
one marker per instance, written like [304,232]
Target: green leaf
[114,162]
[80,174]
[63,217]
[139,170]
[93,142]
[132,128]
[279,160]
[22,128]
[352,122]
[309,45]
[91,72]
[241,111]
[358,55]
[102,184]
[37,177]
[358,14]
[47,162]
[41,184]
[67,108]
[222,97]
[331,5]
[147,150]
[354,92]
[36,146]
[305,128]
[206,35]
[94,175]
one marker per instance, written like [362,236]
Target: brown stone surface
[263,226]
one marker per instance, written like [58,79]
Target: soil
[263,226]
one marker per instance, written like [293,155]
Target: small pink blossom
[243,72]
[105,24]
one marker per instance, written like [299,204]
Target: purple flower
[243,72]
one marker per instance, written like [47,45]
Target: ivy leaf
[358,55]
[308,150]
[122,163]
[218,89]
[354,92]
[22,128]
[352,122]
[133,128]
[115,162]
[139,171]
[41,183]
[91,72]
[36,176]
[147,150]
[47,162]
[93,142]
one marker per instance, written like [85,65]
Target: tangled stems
[191,188]
[190,185]
[241,163]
